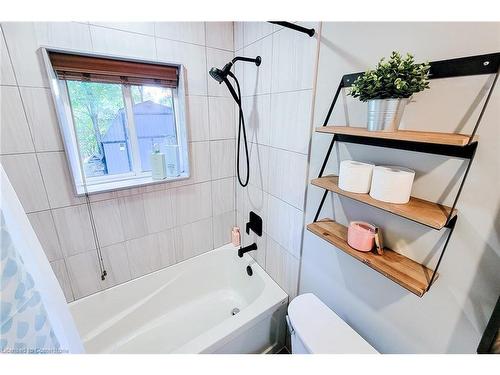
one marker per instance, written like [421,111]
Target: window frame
[89,185]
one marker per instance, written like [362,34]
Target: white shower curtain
[34,315]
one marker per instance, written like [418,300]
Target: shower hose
[241,129]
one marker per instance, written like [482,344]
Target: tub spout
[246,249]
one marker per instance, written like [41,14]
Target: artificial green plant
[398,77]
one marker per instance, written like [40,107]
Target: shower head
[220,74]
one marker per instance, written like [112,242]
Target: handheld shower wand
[220,75]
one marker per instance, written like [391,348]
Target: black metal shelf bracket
[451,226]
[459,67]
[463,152]
[295,27]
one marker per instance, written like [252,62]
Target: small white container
[172,157]
[392,184]
[355,176]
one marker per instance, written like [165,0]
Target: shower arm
[257,60]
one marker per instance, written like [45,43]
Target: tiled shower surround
[277,102]
[141,229]
[145,229]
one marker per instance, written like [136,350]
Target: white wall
[140,229]
[452,316]
[277,103]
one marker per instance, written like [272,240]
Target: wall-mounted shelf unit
[411,275]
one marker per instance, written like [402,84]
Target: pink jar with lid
[361,235]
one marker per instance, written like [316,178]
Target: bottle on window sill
[158,164]
[172,157]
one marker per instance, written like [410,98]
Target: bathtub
[188,308]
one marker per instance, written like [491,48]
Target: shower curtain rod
[293,26]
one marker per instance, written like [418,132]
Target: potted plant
[388,89]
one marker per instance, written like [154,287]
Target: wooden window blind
[97,69]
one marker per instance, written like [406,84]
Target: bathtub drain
[235,311]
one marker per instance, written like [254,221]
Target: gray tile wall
[278,99]
[140,229]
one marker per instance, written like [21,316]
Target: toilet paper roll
[355,176]
[392,184]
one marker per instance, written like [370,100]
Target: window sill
[124,184]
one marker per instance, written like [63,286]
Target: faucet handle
[255,224]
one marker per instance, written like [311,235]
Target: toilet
[315,329]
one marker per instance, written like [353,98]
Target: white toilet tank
[318,330]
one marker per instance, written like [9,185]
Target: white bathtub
[187,308]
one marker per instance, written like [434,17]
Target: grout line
[60,244]
[270,101]
[130,195]
[231,49]
[236,183]
[278,92]
[125,245]
[90,35]
[233,38]
[62,150]
[30,152]
[69,278]
[187,95]
[24,86]
[126,31]
[257,40]
[92,51]
[154,35]
[278,148]
[155,39]
[216,96]
[195,44]
[209,133]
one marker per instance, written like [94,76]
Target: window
[114,114]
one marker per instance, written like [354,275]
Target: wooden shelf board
[424,212]
[450,139]
[409,274]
